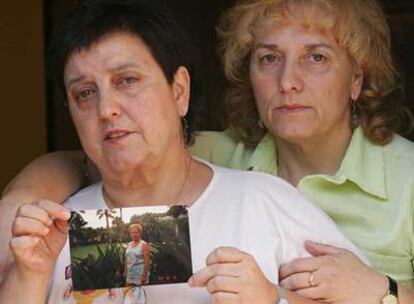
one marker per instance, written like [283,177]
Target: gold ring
[310,280]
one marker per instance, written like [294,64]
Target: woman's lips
[295,108]
[115,136]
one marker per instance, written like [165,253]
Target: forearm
[146,269]
[21,289]
[147,261]
[53,176]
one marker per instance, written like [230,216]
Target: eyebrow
[114,69]
[274,46]
[123,67]
[261,45]
[75,80]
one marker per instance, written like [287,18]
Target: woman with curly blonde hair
[358,26]
[315,99]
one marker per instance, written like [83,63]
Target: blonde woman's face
[302,82]
[135,234]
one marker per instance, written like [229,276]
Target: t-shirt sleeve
[300,220]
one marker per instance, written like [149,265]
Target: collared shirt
[371,197]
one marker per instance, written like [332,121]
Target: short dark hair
[148,19]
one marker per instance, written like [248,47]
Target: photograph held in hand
[127,248]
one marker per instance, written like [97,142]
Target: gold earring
[260,123]
[354,113]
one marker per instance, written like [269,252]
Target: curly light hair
[135,226]
[358,25]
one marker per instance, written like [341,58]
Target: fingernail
[45,230]
[190,282]
[65,214]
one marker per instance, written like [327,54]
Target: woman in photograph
[125,68]
[137,258]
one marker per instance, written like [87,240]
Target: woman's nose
[290,80]
[109,104]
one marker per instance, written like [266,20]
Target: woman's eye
[317,58]
[128,80]
[269,58]
[84,94]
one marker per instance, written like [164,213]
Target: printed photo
[127,247]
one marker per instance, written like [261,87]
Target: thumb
[62,226]
[318,249]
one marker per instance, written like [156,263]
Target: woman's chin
[122,165]
[294,135]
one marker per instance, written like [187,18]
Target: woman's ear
[357,82]
[181,90]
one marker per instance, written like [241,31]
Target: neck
[161,182]
[321,155]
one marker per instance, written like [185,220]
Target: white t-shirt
[255,212]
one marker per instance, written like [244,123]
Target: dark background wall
[23,119]
[34,121]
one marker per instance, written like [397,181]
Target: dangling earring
[260,123]
[354,114]
[186,129]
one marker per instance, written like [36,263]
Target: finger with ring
[311,278]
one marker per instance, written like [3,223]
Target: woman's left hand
[334,275]
[233,276]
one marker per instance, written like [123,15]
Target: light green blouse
[371,197]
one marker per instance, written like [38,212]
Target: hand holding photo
[124,247]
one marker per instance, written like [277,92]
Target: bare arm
[13,286]
[53,176]
[39,234]
[147,262]
[41,177]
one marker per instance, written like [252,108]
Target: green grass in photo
[83,251]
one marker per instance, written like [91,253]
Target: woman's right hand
[39,233]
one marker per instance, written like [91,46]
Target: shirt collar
[264,157]
[363,163]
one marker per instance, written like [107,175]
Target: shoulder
[399,158]
[205,138]
[87,198]
[210,145]
[219,148]
[400,147]
[262,186]
[255,178]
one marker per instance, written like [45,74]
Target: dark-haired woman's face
[124,110]
[303,82]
